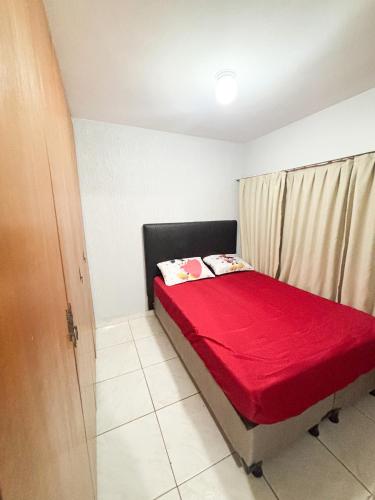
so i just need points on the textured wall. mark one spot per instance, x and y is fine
(343, 129)
(130, 176)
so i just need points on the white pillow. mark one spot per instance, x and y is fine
(181, 270)
(227, 263)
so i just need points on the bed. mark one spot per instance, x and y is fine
(270, 360)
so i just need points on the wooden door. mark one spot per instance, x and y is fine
(42, 432)
(62, 159)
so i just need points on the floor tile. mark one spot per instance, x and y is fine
(169, 382)
(307, 470)
(367, 406)
(132, 462)
(122, 319)
(171, 495)
(226, 481)
(352, 441)
(145, 327)
(192, 438)
(140, 315)
(113, 335)
(155, 349)
(116, 360)
(121, 399)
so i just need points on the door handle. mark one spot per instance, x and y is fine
(74, 336)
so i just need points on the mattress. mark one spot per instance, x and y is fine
(274, 350)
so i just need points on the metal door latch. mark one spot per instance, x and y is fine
(72, 328)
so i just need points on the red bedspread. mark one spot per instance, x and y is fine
(275, 350)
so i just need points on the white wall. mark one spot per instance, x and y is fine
(343, 129)
(130, 176)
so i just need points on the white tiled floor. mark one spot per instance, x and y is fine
(113, 335)
(133, 462)
(116, 360)
(122, 399)
(154, 349)
(192, 439)
(156, 438)
(145, 327)
(168, 382)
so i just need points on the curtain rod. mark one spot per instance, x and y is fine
(310, 165)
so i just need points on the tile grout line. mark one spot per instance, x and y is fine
(133, 339)
(166, 493)
(145, 414)
(364, 414)
(204, 470)
(198, 392)
(159, 362)
(156, 416)
(142, 368)
(120, 375)
(125, 423)
(162, 333)
(268, 482)
(178, 401)
(148, 413)
(342, 463)
(170, 404)
(136, 369)
(162, 436)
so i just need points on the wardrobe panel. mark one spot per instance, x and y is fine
(42, 433)
(61, 154)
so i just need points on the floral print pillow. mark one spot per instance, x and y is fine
(227, 263)
(181, 270)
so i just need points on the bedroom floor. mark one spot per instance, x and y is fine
(156, 438)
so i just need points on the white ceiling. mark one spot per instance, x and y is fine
(151, 63)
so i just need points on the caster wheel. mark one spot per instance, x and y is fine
(254, 469)
(314, 431)
(334, 417)
(257, 471)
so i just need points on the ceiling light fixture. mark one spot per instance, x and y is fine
(226, 87)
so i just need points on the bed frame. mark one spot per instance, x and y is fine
(251, 442)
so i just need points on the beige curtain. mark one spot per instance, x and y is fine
(261, 200)
(314, 227)
(358, 269)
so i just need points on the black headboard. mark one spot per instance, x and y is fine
(184, 239)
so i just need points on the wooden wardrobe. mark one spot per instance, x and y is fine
(47, 354)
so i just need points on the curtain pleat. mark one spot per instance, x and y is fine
(314, 228)
(358, 269)
(261, 200)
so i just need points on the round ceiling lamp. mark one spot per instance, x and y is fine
(226, 87)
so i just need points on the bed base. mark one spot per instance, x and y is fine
(254, 444)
